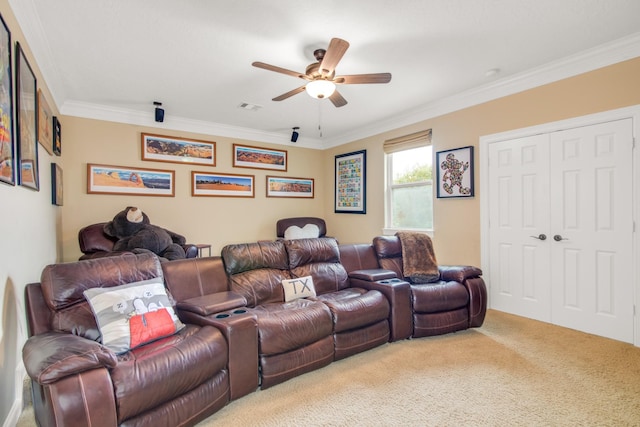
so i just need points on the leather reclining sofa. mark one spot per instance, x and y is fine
(240, 333)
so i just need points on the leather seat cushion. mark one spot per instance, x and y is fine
(283, 327)
(439, 296)
(160, 371)
(355, 307)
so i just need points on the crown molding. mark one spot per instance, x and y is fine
(598, 57)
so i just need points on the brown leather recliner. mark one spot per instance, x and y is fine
(94, 243)
(294, 337)
(177, 380)
(457, 301)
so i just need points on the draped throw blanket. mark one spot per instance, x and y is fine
(418, 258)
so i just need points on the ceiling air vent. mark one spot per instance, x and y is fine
(250, 107)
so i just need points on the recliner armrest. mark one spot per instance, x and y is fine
(458, 273)
(212, 303)
(51, 356)
(372, 275)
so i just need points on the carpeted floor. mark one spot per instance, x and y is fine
(511, 372)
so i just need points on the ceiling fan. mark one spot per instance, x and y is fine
(321, 75)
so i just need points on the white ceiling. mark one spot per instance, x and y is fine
(110, 59)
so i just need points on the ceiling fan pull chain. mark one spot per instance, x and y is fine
(320, 118)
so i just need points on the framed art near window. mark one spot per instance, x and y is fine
(7, 156)
(455, 172)
(278, 186)
(26, 102)
(350, 182)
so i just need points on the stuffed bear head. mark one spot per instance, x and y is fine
(126, 223)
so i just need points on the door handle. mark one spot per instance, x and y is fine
(540, 237)
(558, 238)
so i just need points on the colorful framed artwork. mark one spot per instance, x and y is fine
(56, 184)
(351, 182)
(45, 123)
(173, 149)
(57, 137)
(106, 179)
(7, 146)
(455, 172)
(278, 186)
(245, 156)
(222, 184)
(27, 129)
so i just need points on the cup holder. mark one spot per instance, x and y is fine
(387, 281)
(222, 316)
(239, 311)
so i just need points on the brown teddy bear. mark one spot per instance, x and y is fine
(135, 233)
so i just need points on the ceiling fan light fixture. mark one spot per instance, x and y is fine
(320, 88)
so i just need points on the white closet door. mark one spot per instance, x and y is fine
(519, 226)
(592, 222)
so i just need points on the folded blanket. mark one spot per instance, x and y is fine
(418, 259)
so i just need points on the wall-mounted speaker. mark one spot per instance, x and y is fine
(159, 114)
(295, 134)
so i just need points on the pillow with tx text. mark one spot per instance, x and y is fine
(133, 314)
(301, 287)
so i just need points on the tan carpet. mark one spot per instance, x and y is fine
(511, 372)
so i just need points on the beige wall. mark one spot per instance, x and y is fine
(220, 221)
(457, 221)
(214, 220)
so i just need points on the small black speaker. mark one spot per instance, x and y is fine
(159, 114)
(294, 136)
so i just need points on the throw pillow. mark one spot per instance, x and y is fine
(300, 287)
(307, 232)
(133, 314)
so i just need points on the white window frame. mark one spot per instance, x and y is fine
(389, 186)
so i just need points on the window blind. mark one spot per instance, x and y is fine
(414, 140)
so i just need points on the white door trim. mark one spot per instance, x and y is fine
(632, 112)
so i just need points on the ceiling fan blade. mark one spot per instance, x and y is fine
(279, 70)
(337, 99)
(363, 79)
(289, 94)
(333, 55)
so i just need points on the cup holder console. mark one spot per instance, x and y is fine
(391, 281)
(230, 313)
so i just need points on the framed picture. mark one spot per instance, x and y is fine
(245, 156)
(26, 102)
(173, 149)
(57, 137)
(45, 123)
(278, 186)
(455, 172)
(105, 179)
(222, 184)
(7, 153)
(351, 182)
(56, 184)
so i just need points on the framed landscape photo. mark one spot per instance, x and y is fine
(56, 184)
(7, 143)
(45, 123)
(278, 186)
(222, 184)
(174, 149)
(106, 179)
(245, 156)
(455, 172)
(26, 102)
(351, 182)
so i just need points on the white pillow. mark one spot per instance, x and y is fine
(301, 287)
(133, 314)
(307, 232)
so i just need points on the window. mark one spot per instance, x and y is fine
(409, 182)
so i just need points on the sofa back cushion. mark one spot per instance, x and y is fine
(320, 259)
(195, 277)
(63, 286)
(389, 252)
(256, 270)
